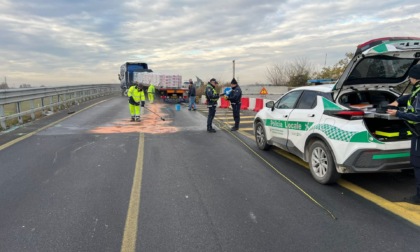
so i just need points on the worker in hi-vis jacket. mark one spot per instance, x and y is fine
(151, 93)
(136, 98)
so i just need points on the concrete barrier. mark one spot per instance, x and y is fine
(251, 103)
(245, 103)
(224, 103)
(203, 99)
(259, 104)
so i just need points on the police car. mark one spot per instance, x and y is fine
(343, 127)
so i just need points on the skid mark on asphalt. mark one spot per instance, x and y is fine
(150, 123)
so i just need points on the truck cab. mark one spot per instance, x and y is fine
(126, 74)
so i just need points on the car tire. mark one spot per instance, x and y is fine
(321, 163)
(261, 137)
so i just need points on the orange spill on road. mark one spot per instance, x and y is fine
(150, 123)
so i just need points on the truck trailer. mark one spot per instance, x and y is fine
(169, 87)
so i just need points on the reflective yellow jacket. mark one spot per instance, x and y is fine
(151, 89)
(136, 94)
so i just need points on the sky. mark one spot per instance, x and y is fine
(73, 42)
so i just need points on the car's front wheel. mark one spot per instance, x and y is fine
(321, 163)
(260, 137)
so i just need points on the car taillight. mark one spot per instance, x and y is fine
(346, 114)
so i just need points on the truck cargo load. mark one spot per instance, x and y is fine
(169, 87)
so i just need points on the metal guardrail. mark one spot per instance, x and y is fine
(18, 103)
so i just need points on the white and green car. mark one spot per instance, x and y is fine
(343, 127)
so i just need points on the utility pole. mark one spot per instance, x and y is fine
(325, 62)
(233, 68)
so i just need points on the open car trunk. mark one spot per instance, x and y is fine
(388, 130)
(382, 126)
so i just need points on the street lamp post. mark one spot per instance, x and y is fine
(233, 68)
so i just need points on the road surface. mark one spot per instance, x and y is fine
(94, 181)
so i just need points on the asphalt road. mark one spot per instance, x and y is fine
(93, 181)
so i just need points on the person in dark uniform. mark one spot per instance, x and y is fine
(191, 96)
(235, 97)
(212, 96)
(412, 117)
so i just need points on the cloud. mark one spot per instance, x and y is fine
(79, 42)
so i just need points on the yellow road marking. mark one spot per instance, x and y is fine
(131, 222)
(231, 121)
(8, 144)
(400, 209)
(231, 117)
(406, 211)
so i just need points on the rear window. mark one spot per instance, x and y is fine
(380, 69)
(308, 99)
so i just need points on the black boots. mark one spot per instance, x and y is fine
(211, 130)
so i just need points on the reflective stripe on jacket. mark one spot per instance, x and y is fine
(413, 103)
(211, 95)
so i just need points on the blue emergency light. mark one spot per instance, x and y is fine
(321, 81)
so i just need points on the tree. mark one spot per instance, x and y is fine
(335, 71)
(276, 75)
(299, 72)
(295, 73)
(4, 85)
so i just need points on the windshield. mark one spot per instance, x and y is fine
(136, 68)
(379, 69)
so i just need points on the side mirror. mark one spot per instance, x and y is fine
(270, 105)
(119, 76)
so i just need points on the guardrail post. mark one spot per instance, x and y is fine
(2, 118)
(51, 104)
(79, 97)
(32, 103)
(43, 105)
(59, 102)
(20, 119)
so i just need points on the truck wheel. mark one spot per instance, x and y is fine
(260, 137)
(321, 163)
(124, 92)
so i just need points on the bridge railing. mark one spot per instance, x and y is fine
(18, 105)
